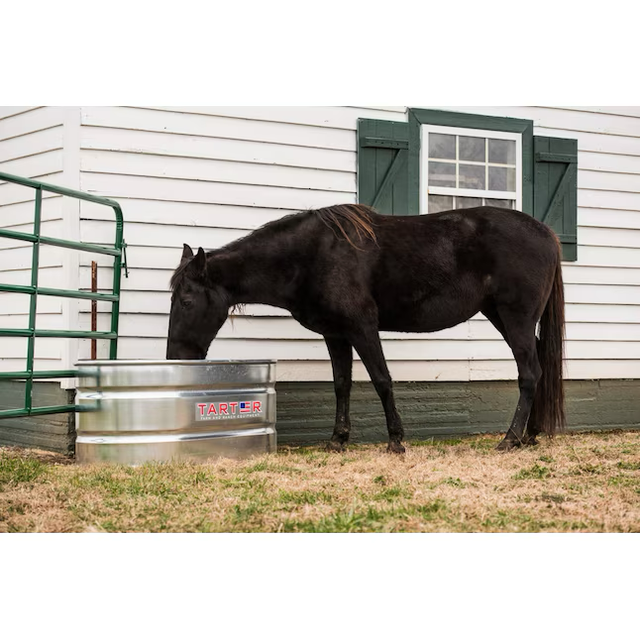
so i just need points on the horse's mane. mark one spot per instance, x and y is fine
(359, 216)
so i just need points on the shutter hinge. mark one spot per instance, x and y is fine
(543, 156)
(370, 141)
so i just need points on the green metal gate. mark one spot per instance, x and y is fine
(118, 253)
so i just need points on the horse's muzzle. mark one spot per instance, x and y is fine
(183, 351)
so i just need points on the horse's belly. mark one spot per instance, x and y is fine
(427, 318)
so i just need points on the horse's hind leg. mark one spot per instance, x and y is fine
(341, 354)
(533, 428)
(521, 336)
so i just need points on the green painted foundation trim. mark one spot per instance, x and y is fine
(439, 409)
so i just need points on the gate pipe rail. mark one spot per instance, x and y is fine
(117, 251)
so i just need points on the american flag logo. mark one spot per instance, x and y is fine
(245, 407)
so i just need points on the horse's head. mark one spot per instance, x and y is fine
(198, 308)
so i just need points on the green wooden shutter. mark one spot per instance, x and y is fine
(555, 198)
(383, 149)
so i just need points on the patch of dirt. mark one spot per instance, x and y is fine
(45, 457)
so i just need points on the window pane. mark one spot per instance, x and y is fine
(440, 203)
(502, 151)
(442, 174)
(467, 203)
(471, 177)
(442, 146)
(502, 179)
(472, 149)
(505, 204)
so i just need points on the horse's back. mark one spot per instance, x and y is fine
(474, 238)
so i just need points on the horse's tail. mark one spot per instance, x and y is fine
(548, 415)
(360, 217)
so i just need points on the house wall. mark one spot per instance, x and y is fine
(209, 175)
(32, 146)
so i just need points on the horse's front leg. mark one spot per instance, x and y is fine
(367, 343)
(341, 354)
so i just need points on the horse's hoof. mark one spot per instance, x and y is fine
(335, 447)
(531, 442)
(395, 447)
(507, 445)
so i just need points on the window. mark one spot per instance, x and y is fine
(463, 168)
(442, 160)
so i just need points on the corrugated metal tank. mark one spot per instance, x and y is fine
(181, 409)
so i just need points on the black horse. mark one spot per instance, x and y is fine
(347, 273)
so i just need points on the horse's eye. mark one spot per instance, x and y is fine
(186, 303)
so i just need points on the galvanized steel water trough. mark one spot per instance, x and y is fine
(175, 409)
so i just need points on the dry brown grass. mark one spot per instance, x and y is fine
(579, 482)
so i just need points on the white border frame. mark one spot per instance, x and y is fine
(425, 129)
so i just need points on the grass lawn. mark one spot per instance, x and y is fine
(577, 482)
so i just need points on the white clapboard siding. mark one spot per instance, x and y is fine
(34, 166)
(18, 303)
(145, 235)
(45, 348)
(44, 321)
(602, 313)
(616, 111)
(31, 146)
(9, 112)
(20, 213)
(334, 118)
(601, 199)
(25, 123)
(18, 257)
(616, 165)
(606, 237)
(181, 168)
(609, 256)
(218, 127)
(142, 257)
(609, 181)
(585, 274)
(11, 193)
(47, 277)
(249, 195)
(602, 294)
(209, 175)
(609, 218)
(202, 147)
(188, 214)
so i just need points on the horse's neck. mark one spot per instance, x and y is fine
(253, 274)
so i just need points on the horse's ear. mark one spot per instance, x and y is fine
(187, 252)
(199, 263)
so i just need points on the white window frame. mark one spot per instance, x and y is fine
(426, 189)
